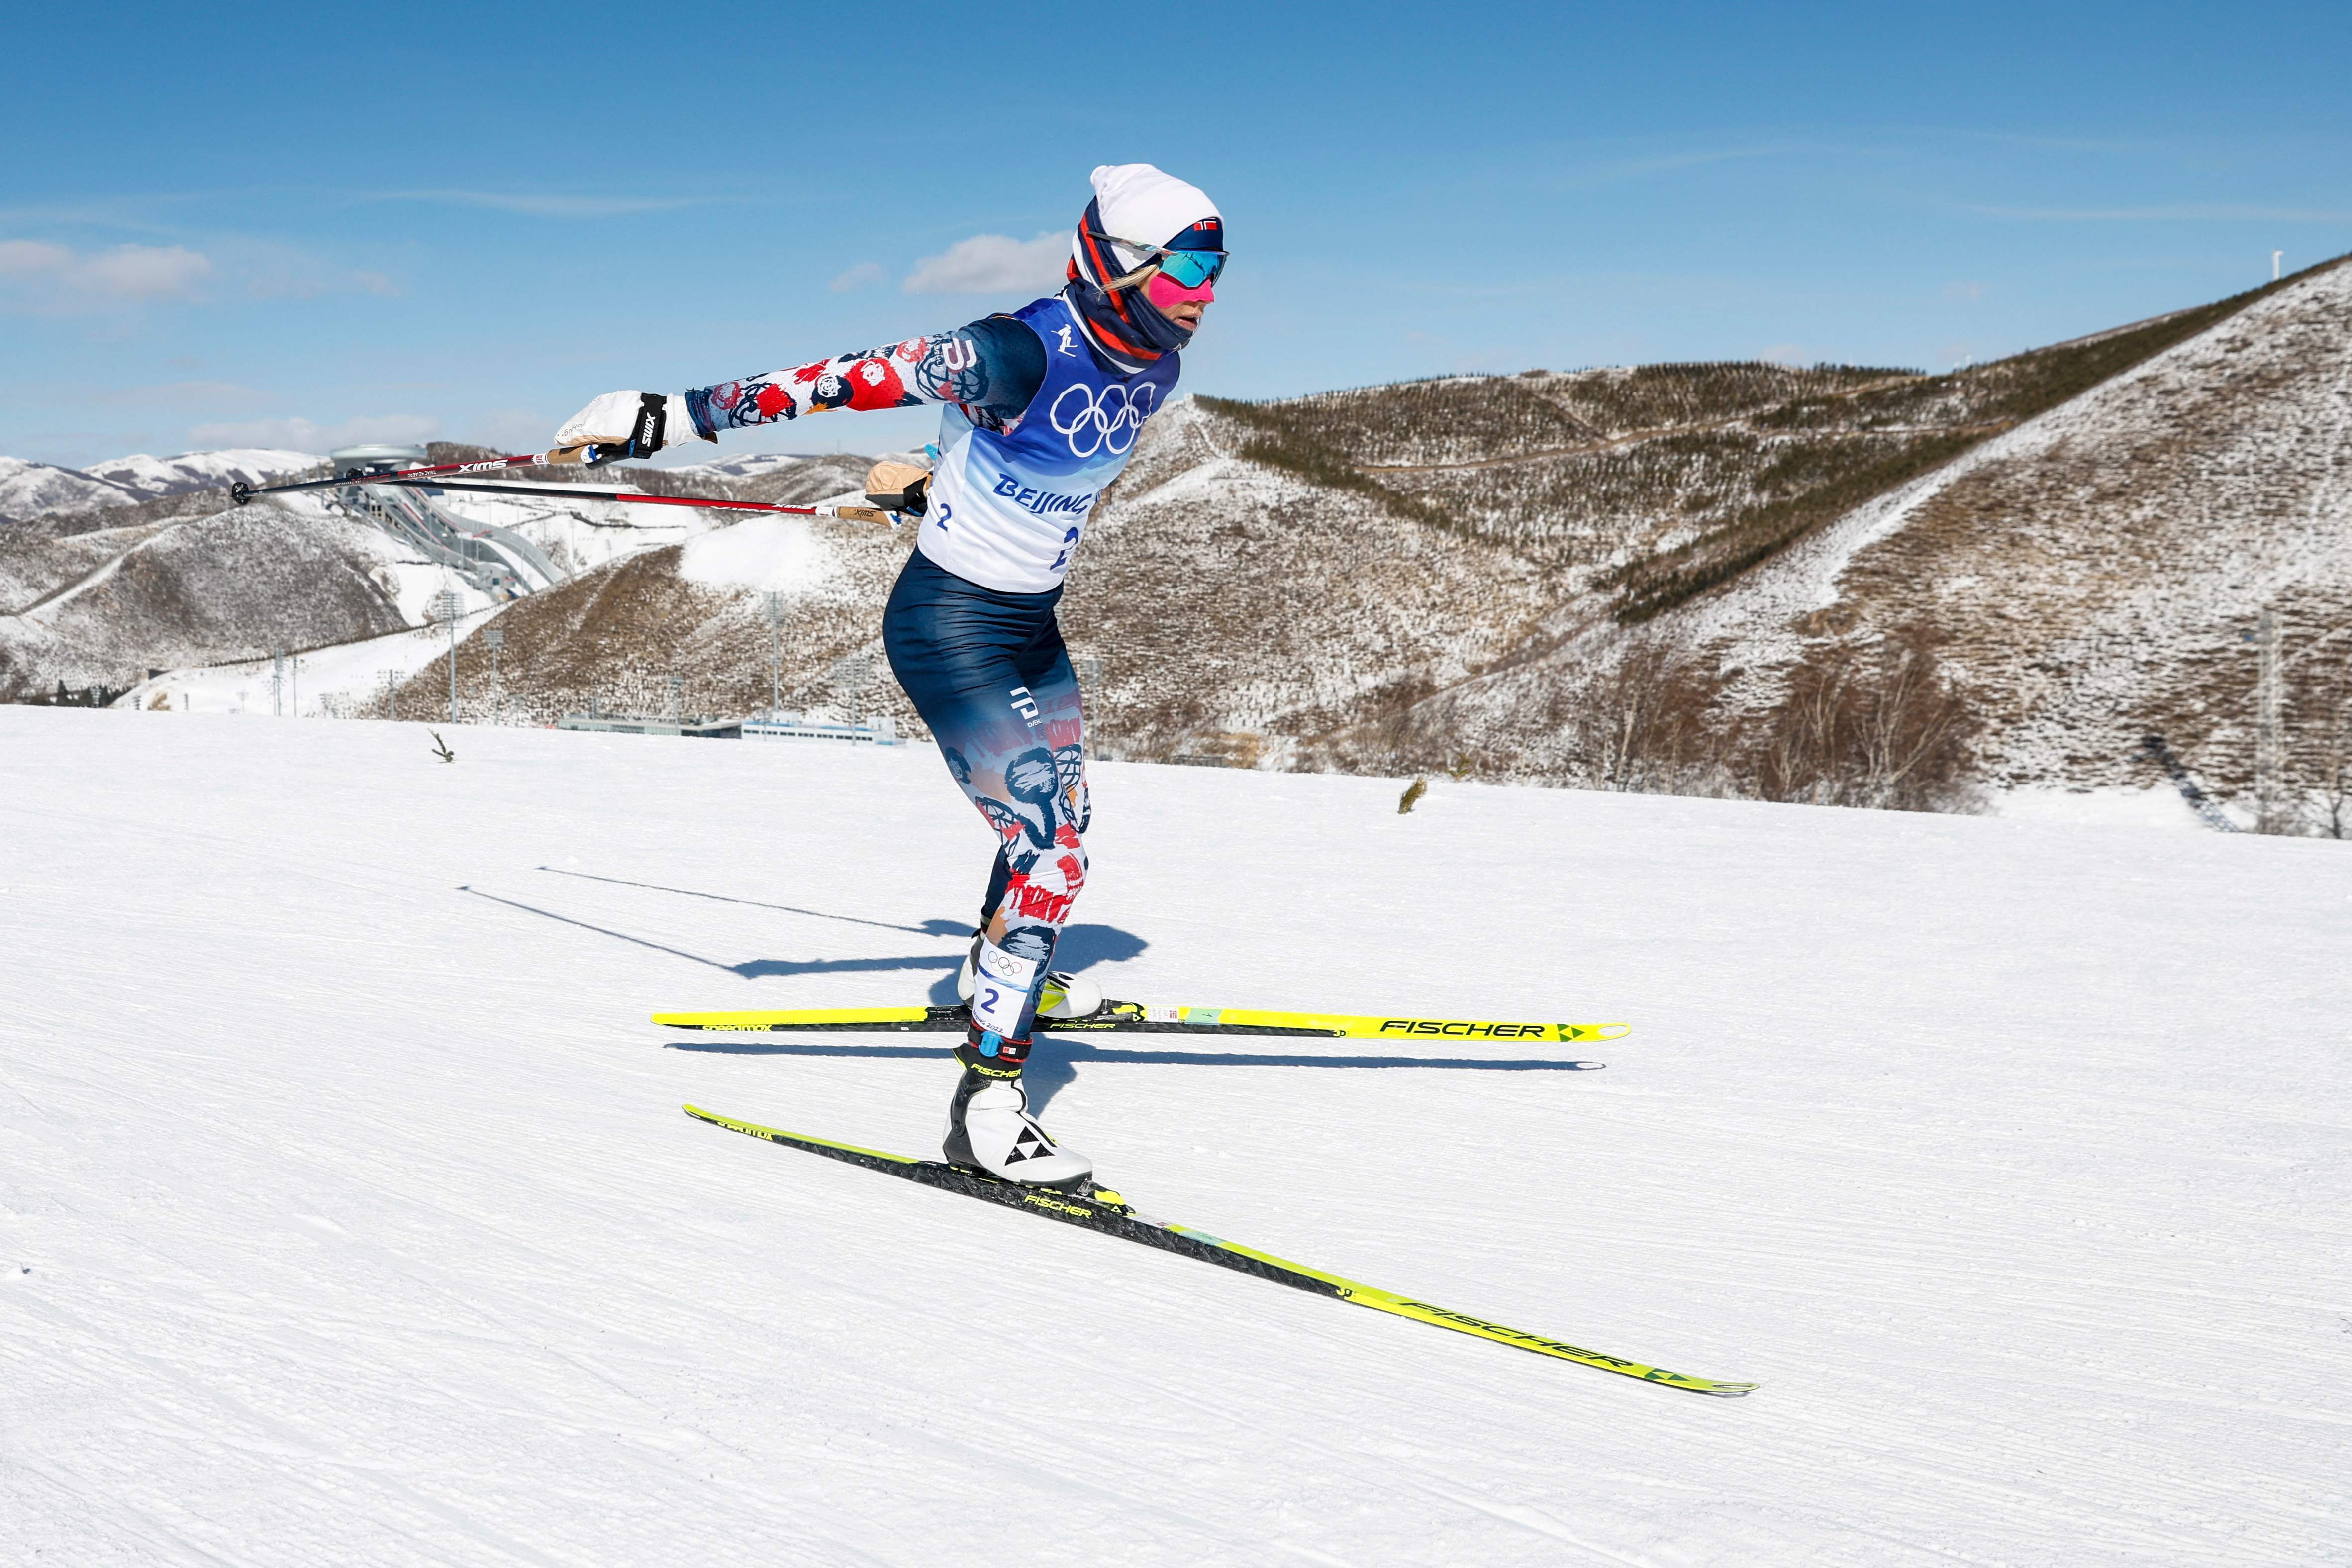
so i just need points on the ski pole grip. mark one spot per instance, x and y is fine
(240, 494)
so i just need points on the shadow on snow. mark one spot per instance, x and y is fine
(1081, 947)
(929, 928)
(1052, 1062)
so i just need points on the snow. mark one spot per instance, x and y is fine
(202, 471)
(49, 604)
(324, 682)
(347, 1214)
(2158, 806)
(765, 464)
(760, 464)
(580, 535)
(2238, 503)
(765, 553)
(760, 552)
(751, 466)
(28, 489)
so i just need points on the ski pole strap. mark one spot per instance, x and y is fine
(644, 437)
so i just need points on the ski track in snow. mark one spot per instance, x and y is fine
(362, 1226)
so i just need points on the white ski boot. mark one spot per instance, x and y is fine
(989, 1124)
(990, 1129)
(1064, 997)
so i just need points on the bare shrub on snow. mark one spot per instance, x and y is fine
(1880, 727)
(1644, 726)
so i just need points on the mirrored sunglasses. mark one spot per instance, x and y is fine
(1189, 268)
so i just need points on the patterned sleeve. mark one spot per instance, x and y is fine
(990, 369)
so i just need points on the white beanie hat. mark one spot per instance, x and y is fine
(1137, 202)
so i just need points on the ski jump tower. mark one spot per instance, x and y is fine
(492, 560)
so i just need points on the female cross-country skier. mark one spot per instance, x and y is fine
(1040, 409)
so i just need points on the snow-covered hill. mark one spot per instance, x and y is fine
(2086, 577)
(108, 604)
(774, 477)
(2094, 574)
(1233, 609)
(347, 1214)
(29, 489)
(752, 466)
(102, 595)
(1828, 584)
(1454, 576)
(153, 477)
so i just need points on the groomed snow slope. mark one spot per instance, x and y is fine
(348, 1217)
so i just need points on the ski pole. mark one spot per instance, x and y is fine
(241, 492)
(577, 492)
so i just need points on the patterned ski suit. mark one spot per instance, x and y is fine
(1035, 426)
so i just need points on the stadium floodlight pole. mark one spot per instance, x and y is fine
(449, 605)
(427, 478)
(774, 604)
(494, 639)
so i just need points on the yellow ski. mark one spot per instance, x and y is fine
(1100, 1209)
(1136, 1017)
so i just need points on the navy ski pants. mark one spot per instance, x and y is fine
(989, 674)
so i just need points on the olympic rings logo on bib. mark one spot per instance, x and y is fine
(1098, 424)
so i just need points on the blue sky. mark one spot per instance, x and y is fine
(306, 224)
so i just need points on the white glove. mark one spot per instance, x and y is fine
(628, 424)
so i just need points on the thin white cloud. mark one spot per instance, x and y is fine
(32, 257)
(115, 214)
(2180, 213)
(992, 264)
(60, 276)
(859, 276)
(2054, 144)
(49, 278)
(146, 272)
(1613, 172)
(515, 429)
(299, 434)
(548, 204)
(272, 271)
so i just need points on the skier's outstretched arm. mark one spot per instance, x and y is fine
(990, 369)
